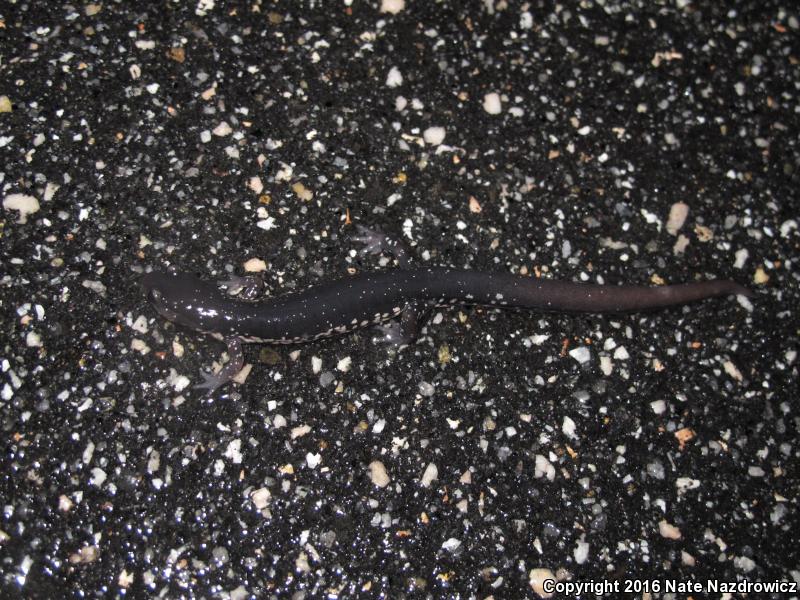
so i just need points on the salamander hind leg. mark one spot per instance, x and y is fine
(406, 330)
(376, 242)
(235, 362)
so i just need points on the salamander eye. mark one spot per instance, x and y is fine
(154, 296)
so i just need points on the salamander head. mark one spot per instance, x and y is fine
(183, 299)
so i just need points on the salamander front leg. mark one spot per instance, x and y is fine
(376, 242)
(249, 287)
(406, 330)
(235, 362)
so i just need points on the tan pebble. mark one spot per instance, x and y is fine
(255, 265)
(677, 217)
(302, 192)
(669, 531)
(378, 474)
(704, 234)
(537, 578)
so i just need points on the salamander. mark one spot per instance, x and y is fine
(403, 295)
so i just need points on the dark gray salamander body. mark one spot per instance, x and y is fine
(372, 298)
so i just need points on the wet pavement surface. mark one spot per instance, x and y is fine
(610, 142)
